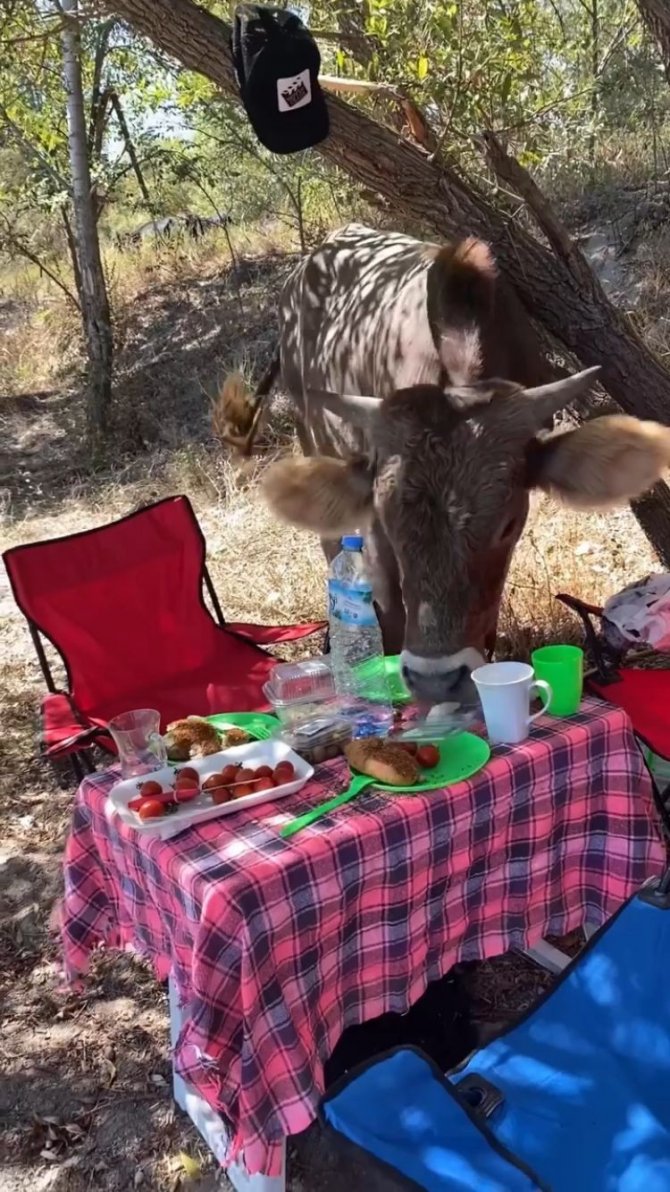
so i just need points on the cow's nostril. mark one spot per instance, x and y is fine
(454, 678)
(406, 674)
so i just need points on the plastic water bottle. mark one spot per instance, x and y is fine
(356, 647)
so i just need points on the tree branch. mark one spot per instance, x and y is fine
(20, 246)
(513, 175)
(32, 150)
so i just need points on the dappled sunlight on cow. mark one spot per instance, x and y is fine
(433, 459)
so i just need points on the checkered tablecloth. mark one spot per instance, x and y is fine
(277, 946)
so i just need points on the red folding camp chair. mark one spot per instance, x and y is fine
(643, 694)
(124, 606)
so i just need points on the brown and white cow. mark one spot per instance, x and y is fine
(390, 349)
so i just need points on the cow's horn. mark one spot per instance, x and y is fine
(354, 408)
(550, 399)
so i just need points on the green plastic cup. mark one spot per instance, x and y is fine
(562, 667)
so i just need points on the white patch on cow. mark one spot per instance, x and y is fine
(442, 664)
(461, 356)
(427, 618)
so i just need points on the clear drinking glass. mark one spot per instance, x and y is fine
(139, 742)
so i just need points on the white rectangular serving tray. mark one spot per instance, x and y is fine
(256, 753)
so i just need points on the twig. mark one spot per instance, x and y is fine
(511, 173)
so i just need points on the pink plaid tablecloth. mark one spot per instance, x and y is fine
(276, 946)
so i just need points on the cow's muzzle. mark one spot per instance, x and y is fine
(442, 680)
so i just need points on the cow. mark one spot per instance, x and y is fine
(422, 404)
(168, 226)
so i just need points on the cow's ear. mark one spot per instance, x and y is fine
(603, 463)
(330, 496)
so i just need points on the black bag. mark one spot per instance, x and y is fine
(277, 64)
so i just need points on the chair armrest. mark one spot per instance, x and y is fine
(268, 635)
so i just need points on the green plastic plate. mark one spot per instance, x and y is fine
(259, 725)
(461, 756)
(398, 691)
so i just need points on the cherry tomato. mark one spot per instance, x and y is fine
(212, 782)
(150, 788)
(265, 783)
(428, 756)
(188, 772)
(229, 773)
(220, 794)
(283, 773)
(186, 784)
(241, 789)
(151, 809)
(244, 775)
(264, 772)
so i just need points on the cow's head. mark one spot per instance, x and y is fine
(448, 476)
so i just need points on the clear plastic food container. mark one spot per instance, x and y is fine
(318, 740)
(311, 679)
(299, 690)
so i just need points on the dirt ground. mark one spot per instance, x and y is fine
(85, 1080)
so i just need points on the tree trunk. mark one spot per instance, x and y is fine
(428, 191)
(656, 16)
(96, 316)
(350, 18)
(96, 118)
(74, 259)
(594, 20)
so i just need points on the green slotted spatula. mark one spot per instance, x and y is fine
(461, 756)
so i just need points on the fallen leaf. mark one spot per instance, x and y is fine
(192, 1167)
(158, 1080)
(110, 1070)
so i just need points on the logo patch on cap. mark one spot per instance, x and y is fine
(295, 92)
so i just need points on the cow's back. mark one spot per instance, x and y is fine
(354, 318)
(353, 315)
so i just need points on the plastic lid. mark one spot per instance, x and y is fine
(352, 542)
(325, 730)
(300, 682)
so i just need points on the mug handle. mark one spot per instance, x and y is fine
(158, 747)
(543, 690)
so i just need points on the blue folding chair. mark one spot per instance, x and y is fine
(574, 1098)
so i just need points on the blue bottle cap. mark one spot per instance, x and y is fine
(352, 542)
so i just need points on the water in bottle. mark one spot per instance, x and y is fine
(357, 651)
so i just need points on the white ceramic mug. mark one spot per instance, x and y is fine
(505, 690)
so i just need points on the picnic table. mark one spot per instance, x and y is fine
(275, 946)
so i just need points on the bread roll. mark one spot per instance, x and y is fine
(383, 760)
